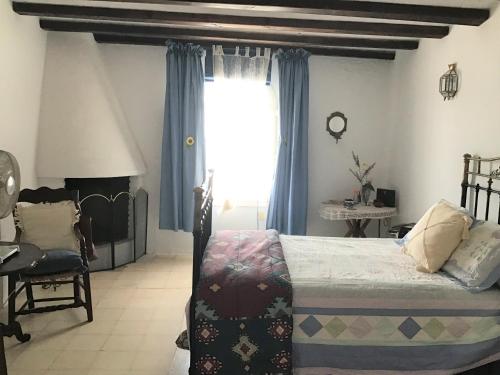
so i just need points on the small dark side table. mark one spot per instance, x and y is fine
(28, 257)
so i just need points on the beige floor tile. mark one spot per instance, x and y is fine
(151, 361)
(89, 342)
(35, 360)
(163, 327)
(61, 327)
(114, 360)
(180, 363)
(138, 313)
(132, 327)
(65, 372)
(155, 343)
(74, 360)
(108, 314)
(123, 343)
(48, 341)
(27, 372)
(13, 353)
(96, 327)
(109, 372)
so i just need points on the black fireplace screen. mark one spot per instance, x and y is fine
(100, 209)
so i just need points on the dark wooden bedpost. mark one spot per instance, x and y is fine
(197, 239)
(202, 230)
(465, 180)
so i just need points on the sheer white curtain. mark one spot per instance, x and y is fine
(241, 128)
(241, 66)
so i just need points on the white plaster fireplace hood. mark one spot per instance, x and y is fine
(83, 132)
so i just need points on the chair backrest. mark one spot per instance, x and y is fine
(48, 195)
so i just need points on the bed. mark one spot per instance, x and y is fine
(363, 309)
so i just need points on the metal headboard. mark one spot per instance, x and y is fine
(477, 169)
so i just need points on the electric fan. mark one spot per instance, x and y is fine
(10, 180)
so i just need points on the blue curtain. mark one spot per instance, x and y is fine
(183, 149)
(288, 204)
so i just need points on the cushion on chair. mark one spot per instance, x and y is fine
(57, 261)
(436, 235)
(48, 225)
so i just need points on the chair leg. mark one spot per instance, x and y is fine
(88, 296)
(29, 295)
(76, 288)
(12, 298)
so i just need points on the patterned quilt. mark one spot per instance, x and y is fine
(364, 309)
(243, 317)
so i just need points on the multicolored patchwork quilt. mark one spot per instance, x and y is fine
(243, 316)
(364, 309)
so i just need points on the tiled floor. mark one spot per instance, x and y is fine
(138, 313)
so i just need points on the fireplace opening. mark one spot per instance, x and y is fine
(100, 209)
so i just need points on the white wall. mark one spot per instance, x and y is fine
(83, 131)
(22, 57)
(359, 89)
(356, 87)
(430, 135)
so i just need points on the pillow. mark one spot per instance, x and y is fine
(476, 261)
(403, 241)
(436, 235)
(48, 225)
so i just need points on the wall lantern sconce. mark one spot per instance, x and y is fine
(448, 83)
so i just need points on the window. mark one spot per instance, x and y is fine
(241, 141)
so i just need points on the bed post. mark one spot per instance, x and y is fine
(202, 230)
(465, 180)
(197, 239)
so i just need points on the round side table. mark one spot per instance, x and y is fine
(357, 218)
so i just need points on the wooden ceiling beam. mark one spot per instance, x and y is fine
(157, 41)
(288, 40)
(219, 21)
(346, 8)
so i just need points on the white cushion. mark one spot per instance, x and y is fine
(48, 225)
(476, 261)
(435, 236)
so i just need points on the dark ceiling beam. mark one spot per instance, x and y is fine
(347, 8)
(288, 40)
(155, 41)
(219, 21)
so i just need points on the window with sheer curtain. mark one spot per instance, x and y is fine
(241, 128)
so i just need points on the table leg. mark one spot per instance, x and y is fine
(351, 228)
(363, 227)
(3, 361)
(13, 328)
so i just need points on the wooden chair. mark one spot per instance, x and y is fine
(59, 265)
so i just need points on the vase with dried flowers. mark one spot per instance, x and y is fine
(362, 172)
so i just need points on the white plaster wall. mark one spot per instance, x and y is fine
(430, 135)
(83, 131)
(22, 57)
(359, 89)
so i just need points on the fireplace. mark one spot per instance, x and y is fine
(94, 195)
(119, 219)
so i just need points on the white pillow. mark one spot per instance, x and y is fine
(48, 225)
(476, 261)
(435, 236)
